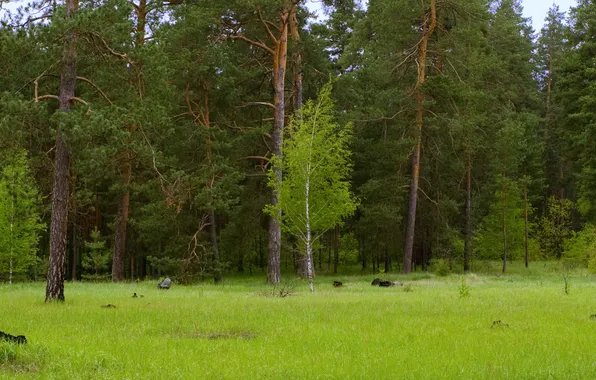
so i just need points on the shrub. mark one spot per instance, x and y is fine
(440, 267)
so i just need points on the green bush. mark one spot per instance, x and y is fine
(440, 267)
(592, 264)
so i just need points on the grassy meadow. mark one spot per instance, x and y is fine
(432, 328)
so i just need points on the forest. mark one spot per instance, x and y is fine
(148, 138)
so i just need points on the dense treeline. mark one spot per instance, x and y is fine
(154, 124)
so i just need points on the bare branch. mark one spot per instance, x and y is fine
(257, 104)
(385, 117)
(262, 158)
(266, 25)
(257, 43)
(96, 88)
(79, 100)
(113, 52)
(44, 97)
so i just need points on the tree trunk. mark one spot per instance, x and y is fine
(309, 261)
(362, 253)
(59, 223)
(335, 249)
(261, 255)
(124, 206)
(299, 262)
(320, 258)
(142, 267)
(468, 237)
(75, 253)
(214, 246)
(428, 30)
(121, 225)
(504, 229)
(12, 214)
(297, 60)
(526, 226)
(60, 189)
(387, 261)
(279, 74)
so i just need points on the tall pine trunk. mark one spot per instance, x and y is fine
(75, 253)
(121, 225)
(214, 247)
(504, 229)
(428, 30)
(60, 189)
(335, 249)
(468, 236)
(297, 60)
(526, 237)
(279, 74)
(124, 205)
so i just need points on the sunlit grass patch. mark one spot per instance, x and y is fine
(354, 331)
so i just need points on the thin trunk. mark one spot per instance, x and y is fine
(121, 226)
(12, 213)
(60, 189)
(429, 29)
(124, 206)
(142, 267)
(561, 178)
(297, 60)
(299, 262)
(387, 261)
(549, 85)
(335, 249)
(374, 263)
(468, 238)
(214, 246)
(320, 258)
(279, 74)
(504, 229)
(241, 261)
(526, 226)
(75, 254)
(362, 253)
(309, 267)
(261, 255)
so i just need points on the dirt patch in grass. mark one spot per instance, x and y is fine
(214, 335)
(17, 359)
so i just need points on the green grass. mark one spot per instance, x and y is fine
(239, 330)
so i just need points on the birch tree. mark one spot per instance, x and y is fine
(20, 225)
(315, 193)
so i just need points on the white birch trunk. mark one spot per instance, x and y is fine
(11, 231)
(309, 269)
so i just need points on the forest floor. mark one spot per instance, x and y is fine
(431, 328)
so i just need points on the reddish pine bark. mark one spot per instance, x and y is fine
(60, 189)
(428, 30)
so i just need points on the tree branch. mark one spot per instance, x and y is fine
(265, 24)
(260, 44)
(44, 97)
(257, 104)
(96, 88)
(79, 100)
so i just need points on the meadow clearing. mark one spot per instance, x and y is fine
(431, 328)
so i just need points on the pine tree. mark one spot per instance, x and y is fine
(97, 258)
